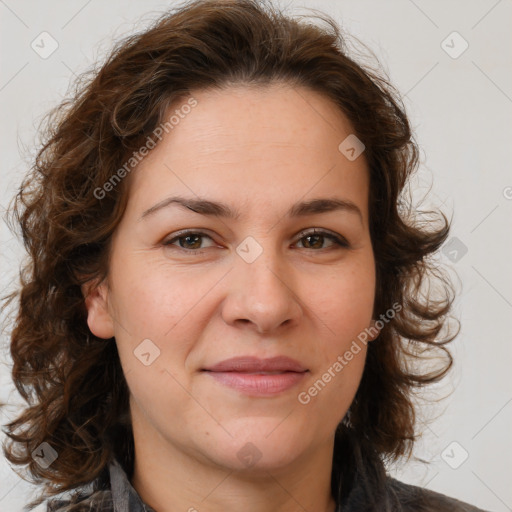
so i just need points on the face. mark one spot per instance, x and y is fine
(189, 289)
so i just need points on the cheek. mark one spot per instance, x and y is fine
(155, 372)
(158, 396)
(153, 300)
(330, 391)
(345, 303)
(152, 332)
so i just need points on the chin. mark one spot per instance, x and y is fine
(257, 445)
(256, 462)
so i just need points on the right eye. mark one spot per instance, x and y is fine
(189, 241)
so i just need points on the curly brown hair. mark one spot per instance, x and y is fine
(72, 381)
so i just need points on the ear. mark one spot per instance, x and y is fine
(99, 320)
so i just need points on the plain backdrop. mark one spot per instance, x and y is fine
(452, 62)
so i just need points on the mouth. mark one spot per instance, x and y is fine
(259, 383)
(255, 372)
(258, 377)
(244, 364)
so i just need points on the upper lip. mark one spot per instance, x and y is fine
(254, 364)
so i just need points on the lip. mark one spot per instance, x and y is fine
(245, 374)
(251, 364)
(257, 384)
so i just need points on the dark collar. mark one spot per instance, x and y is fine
(124, 497)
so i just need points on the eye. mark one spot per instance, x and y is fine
(188, 240)
(316, 238)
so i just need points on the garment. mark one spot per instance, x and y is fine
(359, 483)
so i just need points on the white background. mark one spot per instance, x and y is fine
(461, 111)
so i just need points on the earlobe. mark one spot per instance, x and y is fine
(99, 319)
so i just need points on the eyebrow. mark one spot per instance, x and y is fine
(216, 209)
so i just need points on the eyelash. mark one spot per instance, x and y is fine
(340, 241)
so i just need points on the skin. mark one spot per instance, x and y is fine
(259, 150)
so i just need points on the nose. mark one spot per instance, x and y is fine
(262, 295)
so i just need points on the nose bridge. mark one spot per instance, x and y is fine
(262, 291)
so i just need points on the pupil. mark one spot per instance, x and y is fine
(314, 236)
(189, 237)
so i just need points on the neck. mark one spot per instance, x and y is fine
(169, 478)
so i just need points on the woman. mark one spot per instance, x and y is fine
(224, 285)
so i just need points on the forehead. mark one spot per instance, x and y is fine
(251, 118)
(270, 143)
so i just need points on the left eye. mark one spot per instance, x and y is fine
(321, 236)
(191, 240)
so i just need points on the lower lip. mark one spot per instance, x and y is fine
(259, 384)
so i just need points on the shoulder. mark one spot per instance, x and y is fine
(96, 496)
(414, 498)
(99, 501)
